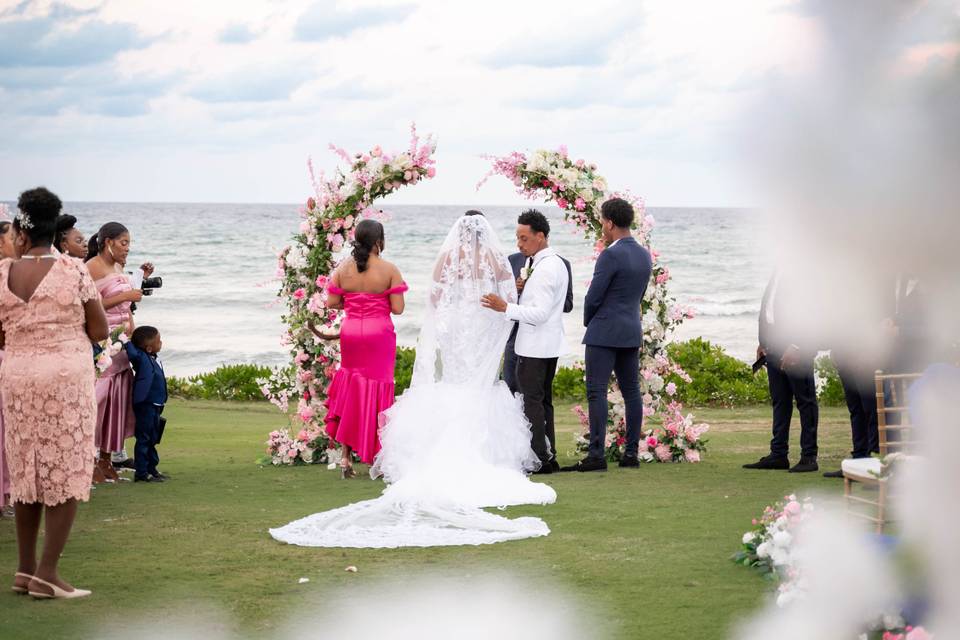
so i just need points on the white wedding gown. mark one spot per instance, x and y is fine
(457, 441)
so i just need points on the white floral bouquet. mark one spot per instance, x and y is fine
(308, 447)
(105, 350)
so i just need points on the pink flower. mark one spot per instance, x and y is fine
(671, 388)
(348, 221)
(580, 163)
(652, 442)
(663, 453)
(579, 204)
(408, 176)
(793, 508)
(647, 411)
(322, 282)
(311, 204)
(336, 240)
(663, 276)
(306, 414)
(918, 633)
(376, 151)
(691, 455)
(431, 172)
(562, 149)
(292, 453)
(563, 204)
(299, 294)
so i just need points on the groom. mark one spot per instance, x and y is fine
(540, 337)
(611, 314)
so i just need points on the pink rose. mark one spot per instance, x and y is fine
(311, 204)
(322, 282)
(918, 633)
(376, 151)
(652, 442)
(663, 453)
(431, 172)
(348, 221)
(579, 204)
(299, 294)
(793, 508)
(563, 204)
(691, 455)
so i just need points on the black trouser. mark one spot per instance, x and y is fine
(861, 396)
(510, 364)
(535, 382)
(145, 456)
(785, 387)
(600, 363)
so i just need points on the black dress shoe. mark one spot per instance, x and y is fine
(145, 479)
(631, 462)
(554, 465)
(833, 474)
(161, 476)
(769, 462)
(544, 469)
(124, 464)
(806, 465)
(587, 464)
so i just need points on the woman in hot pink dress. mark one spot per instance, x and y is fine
(115, 420)
(369, 289)
(49, 313)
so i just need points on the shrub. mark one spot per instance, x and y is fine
(226, 382)
(569, 384)
(403, 371)
(719, 379)
(829, 387)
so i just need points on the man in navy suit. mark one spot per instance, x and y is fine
(611, 314)
(517, 262)
(149, 397)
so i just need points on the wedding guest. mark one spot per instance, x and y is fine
(519, 262)
(540, 338)
(49, 313)
(149, 397)
(7, 250)
(611, 314)
(69, 240)
(108, 250)
(786, 346)
(369, 289)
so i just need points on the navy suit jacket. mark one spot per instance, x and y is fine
(517, 260)
(611, 310)
(150, 383)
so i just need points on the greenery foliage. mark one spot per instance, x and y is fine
(719, 379)
(227, 382)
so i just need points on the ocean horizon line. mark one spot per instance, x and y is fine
(521, 203)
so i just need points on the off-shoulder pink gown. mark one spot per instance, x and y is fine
(363, 386)
(115, 419)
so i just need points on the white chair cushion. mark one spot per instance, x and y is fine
(861, 467)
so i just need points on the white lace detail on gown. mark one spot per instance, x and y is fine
(457, 441)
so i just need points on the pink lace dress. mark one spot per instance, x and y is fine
(115, 419)
(363, 386)
(4, 473)
(46, 381)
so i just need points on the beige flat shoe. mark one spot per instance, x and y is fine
(19, 574)
(58, 593)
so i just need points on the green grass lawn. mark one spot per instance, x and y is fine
(647, 551)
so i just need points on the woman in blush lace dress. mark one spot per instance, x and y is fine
(109, 249)
(7, 250)
(49, 313)
(369, 289)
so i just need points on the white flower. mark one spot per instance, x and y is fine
(538, 162)
(763, 550)
(646, 456)
(779, 557)
(782, 539)
(655, 383)
(401, 163)
(748, 537)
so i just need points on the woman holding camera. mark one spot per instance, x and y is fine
(109, 249)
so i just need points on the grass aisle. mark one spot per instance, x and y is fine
(645, 548)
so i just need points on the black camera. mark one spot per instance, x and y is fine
(149, 284)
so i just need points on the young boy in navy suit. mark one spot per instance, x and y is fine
(149, 396)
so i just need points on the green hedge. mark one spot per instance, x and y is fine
(718, 379)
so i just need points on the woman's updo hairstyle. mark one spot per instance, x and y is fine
(98, 241)
(39, 209)
(65, 222)
(367, 236)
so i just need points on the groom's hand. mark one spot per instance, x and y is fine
(495, 302)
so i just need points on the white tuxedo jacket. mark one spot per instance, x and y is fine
(540, 310)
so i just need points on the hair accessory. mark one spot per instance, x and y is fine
(24, 220)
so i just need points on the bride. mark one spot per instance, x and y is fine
(457, 441)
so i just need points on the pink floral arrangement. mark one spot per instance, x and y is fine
(578, 189)
(328, 220)
(308, 447)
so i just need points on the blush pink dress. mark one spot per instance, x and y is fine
(115, 419)
(4, 473)
(46, 381)
(362, 388)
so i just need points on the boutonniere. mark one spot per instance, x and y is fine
(525, 273)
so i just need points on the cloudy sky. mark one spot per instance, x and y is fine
(138, 100)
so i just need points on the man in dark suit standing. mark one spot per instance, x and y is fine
(518, 262)
(614, 335)
(785, 344)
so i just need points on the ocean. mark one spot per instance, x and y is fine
(218, 301)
